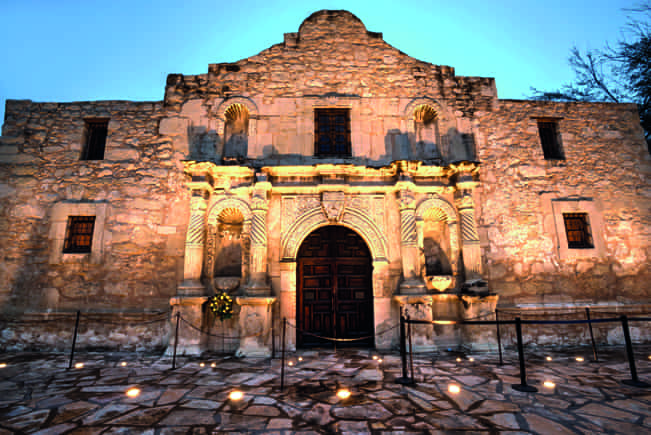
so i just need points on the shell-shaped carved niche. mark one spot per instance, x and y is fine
(426, 133)
(228, 249)
(236, 133)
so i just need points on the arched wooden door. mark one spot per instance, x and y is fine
(334, 289)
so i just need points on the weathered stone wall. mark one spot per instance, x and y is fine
(606, 173)
(138, 187)
(333, 61)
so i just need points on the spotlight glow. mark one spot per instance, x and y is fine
(458, 359)
(579, 358)
(3, 365)
(379, 360)
(549, 384)
(549, 358)
(454, 389)
(123, 363)
(291, 363)
(343, 393)
(202, 364)
(79, 365)
(300, 358)
(133, 392)
(213, 365)
(236, 395)
(471, 359)
(374, 356)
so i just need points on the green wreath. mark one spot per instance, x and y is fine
(221, 305)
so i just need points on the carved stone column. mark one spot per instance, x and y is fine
(469, 237)
(257, 285)
(194, 247)
(255, 326)
(412, 281)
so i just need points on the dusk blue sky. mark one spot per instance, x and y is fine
(72, 50)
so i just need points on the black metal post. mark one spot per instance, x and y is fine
(411, 351)
(594, 344)
(273, 339)
(282, 359)
(523, 374)
(74, 341)
(403, 353)
(176, 339)
(499, 341)
(634, 381)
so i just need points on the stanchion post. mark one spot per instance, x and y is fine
(273, 339)
(411, 351)
(634, 381)
(499, 341)
(594, 344)
(523, 374)
(403, 353)
(74, 341)
(282, 359)
(176, 339)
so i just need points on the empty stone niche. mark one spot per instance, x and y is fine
(236, 133)
(229, 251)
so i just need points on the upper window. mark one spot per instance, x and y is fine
(577, 229)
(549, 139)
(95, 139)
(332, 132)
(79, 234)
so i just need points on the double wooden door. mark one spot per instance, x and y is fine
(335, 297)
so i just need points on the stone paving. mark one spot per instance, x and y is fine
(39, 395)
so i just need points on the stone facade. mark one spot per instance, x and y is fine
(217, 187)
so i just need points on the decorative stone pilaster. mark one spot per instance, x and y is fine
(257, 285)
(194, 247)
(255, 326)
(418, 307)
(469, 237)
(412, 281)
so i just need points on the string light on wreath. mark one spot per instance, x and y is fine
(221, 305)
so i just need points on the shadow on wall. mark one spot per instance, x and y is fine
(453, 146)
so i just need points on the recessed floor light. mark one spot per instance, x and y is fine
(123, 363)
(79, 365)
(454, 389)
(549, 358)
(236, 395)
(133, 392)
(3, 365)
(579, 358)
(549, 384)
(343, 393)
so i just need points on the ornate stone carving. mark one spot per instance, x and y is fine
(333, 205)
(294, 206)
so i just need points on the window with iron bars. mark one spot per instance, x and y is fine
(79, 234)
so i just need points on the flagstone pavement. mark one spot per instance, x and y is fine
(38, 394)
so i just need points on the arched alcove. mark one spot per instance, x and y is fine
(228, 249)
(436, 249)
(236, 132)
(426, 133)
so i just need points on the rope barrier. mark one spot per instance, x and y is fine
(217, 335)
(341, 339)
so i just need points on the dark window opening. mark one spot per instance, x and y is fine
(577, 229)
(332, 132)
(549, 139)
(79, 234)
(96, 131)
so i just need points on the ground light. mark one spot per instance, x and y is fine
(343, 393)
(3, 365)
(202, 364)
(291, 363)
(549, 384)
(454, 389)
(579, 358)
(379, 360)
(300, 358)
(375, 357)
(123, 363)
(458, 359)
(79, 365)
(133, 392)
(236, 395)
(549, 358)
(471, 359)
(213, 365)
